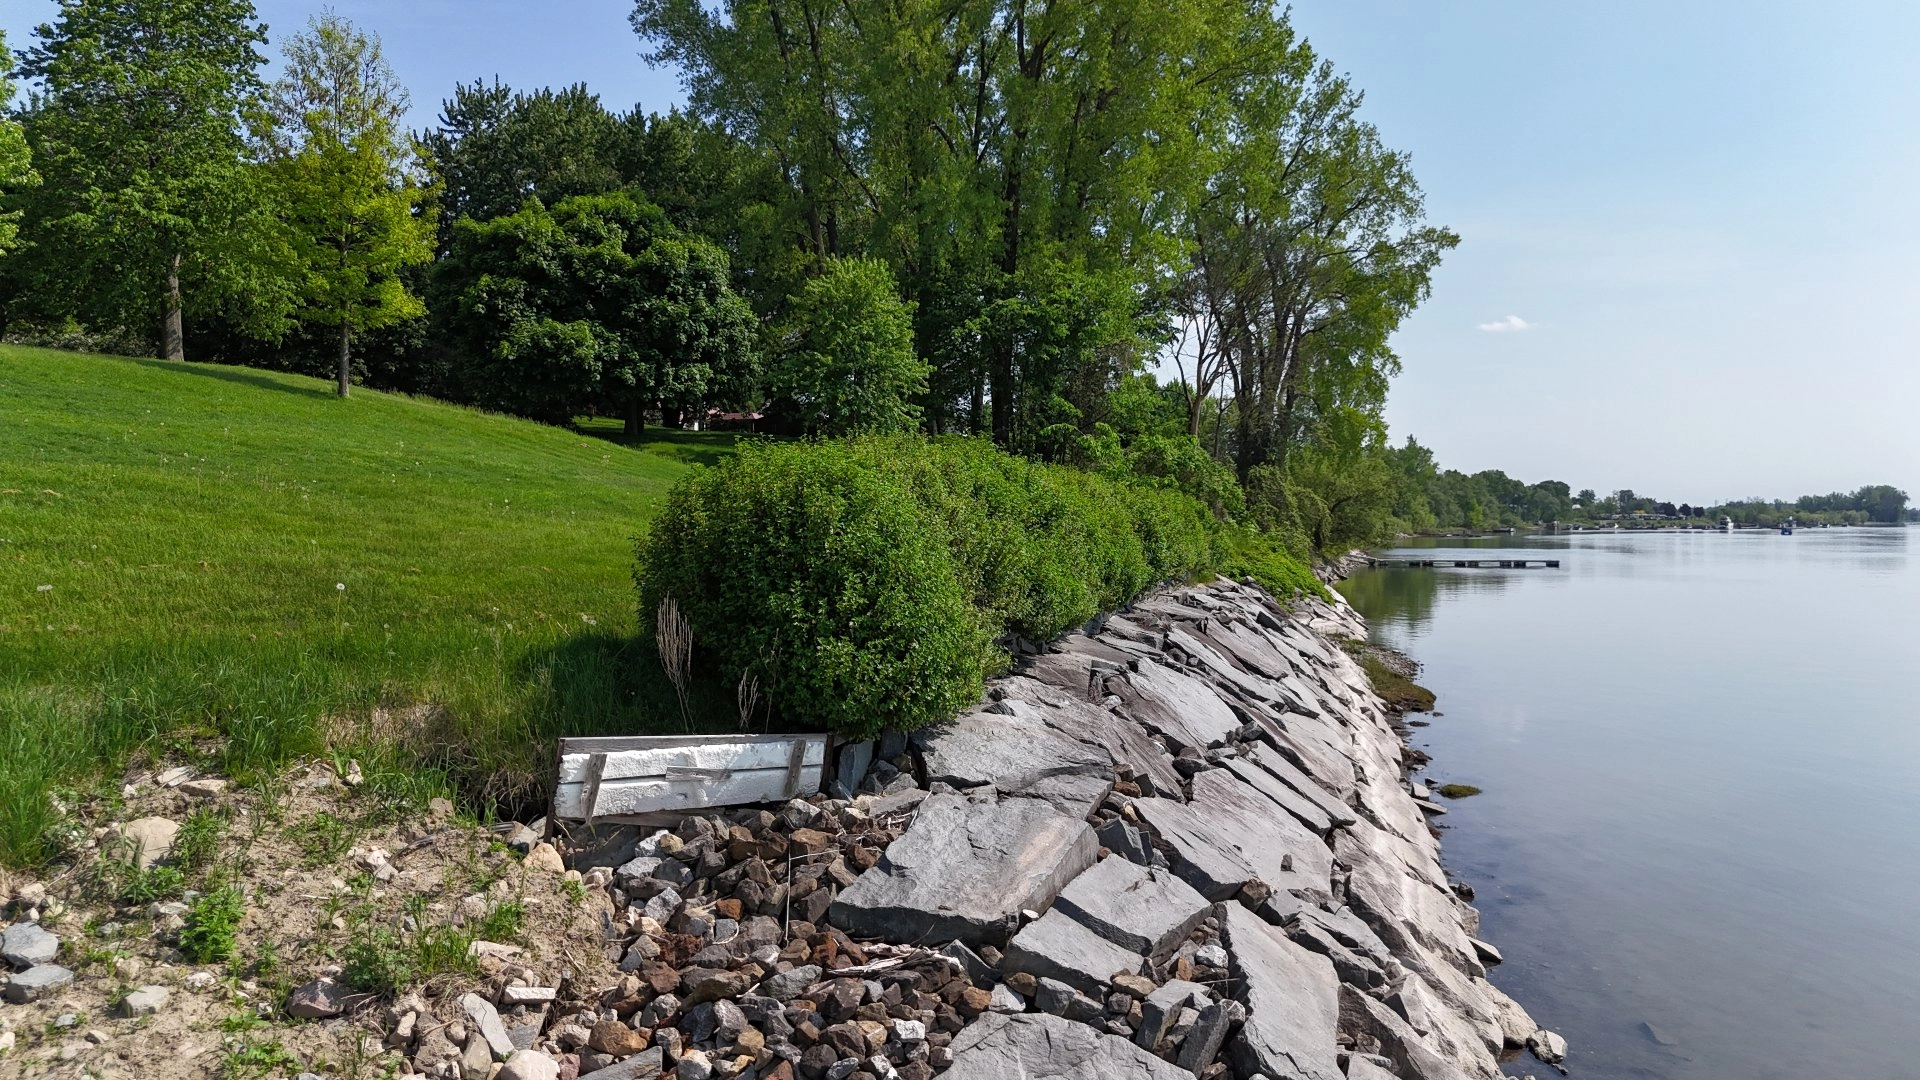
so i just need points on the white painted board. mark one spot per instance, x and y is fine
(639, 774)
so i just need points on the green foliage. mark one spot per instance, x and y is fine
(382, 959)
(198, 843)
(598, 302)
(149, 206)
(1336, 503)
(340, 159)
(1458, 791)
(252, 1059)
(213, 924)
(866, 583)
(16, 161)
(846, 362)
(154, 883)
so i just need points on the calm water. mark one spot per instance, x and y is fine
(1701, 756)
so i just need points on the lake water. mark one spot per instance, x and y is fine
(1701, 762)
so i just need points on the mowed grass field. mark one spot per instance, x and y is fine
(239, 566)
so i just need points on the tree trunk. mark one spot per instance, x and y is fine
(346, 351)
(173, 339)
(636, 420)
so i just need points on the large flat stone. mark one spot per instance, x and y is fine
(964, 871)
(1410, 1054)
(1136, 907)
(36, 983)
(1036, 1046)
(1125, 740)
(1229, 835)
(1073, 796)
(1181, 707)
(1054, 946)
(1303, 809)
(1010, 749)
(1291, 776)
(25, 944)
(1292, 999)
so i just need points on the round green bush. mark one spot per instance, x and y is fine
(820, 575)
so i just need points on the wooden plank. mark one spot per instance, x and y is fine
(636, 795)
(655, 761)
(596, 771)
(796, 768)
(602, 778)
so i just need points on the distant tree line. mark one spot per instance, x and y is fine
(990, 218)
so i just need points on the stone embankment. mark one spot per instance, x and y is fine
(1182, 844)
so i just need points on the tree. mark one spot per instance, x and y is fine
(494, 147)
(846, 361)
(598, 303)
(341, 159)
(16, 161)
(149, 208)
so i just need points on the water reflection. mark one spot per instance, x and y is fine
(1698, 800)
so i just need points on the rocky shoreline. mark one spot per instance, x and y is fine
(1182, 843)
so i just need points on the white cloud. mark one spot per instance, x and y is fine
(1510, 324)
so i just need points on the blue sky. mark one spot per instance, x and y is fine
(1689, 231)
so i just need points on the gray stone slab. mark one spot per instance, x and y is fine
(486, 1019)
(1248, 646)
(1292, 999)
(1303, 809)
(1161, 1007)
(1181, 707)
(964, 871)
(1037, 1046)
(1009, 751)
(1054, 946)
(648, 1064)
(1074, 796)
(1230, 834)
(36, 983)
(1330, 768)
(1136, 907)
(1413, 1059)
(1123, 739)
(1290, 775)
(1125, 841)
(25, 944)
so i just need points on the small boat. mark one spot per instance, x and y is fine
(1786, 527)
(1726, 524)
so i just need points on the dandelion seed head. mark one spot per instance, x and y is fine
(43, 588)
(340, 585)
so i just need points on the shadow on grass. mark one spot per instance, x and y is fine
(242, 376)
(691, 447)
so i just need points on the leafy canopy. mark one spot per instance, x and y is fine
(846, 353)
(138, 136)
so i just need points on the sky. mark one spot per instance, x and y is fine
(1688, 230)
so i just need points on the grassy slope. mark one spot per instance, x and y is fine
(195, 524)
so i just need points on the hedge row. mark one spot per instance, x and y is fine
(871, 583)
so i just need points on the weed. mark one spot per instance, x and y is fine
(252, 1059)
(198, 843)
(153, 884)
(576, 890)
(376, 961)
(501, 922)
(213, 922)
(242, 1022)
(325, 839)
(1457, 791)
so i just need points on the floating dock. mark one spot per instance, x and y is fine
(1466, 564)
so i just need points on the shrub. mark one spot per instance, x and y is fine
(871, 583)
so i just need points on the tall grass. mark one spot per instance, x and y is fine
(236, 566)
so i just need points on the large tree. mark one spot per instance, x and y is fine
(846, 361)
(597, 304)
(343, 165)
(16, 161)
(150, 207)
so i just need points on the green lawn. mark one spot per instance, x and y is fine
(236, 563)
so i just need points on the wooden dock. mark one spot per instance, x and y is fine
(1466, 564)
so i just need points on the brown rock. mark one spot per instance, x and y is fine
(616, 1039)
(1183, 969)
(661, 979)
(1137, 985)
(728, 909)
(781, 1071)
(973, 1001)
(862, 857)
(1023, 983)
(809, 841)
(705, 984)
